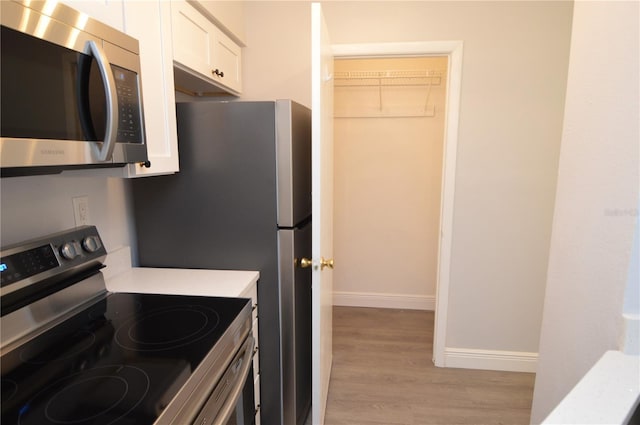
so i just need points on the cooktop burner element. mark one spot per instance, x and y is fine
(141, 334)
(114, 391)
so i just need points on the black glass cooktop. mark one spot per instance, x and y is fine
(121, 361)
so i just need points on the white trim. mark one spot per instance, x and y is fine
(511, 361)
(630, 343)
(414, 48)
(378, 300)
(452, 49)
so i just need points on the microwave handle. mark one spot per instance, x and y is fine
(111, 132)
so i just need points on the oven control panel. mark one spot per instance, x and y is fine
(44, 258)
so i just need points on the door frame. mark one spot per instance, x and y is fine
(453, 50)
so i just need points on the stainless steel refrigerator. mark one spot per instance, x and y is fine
(242, 201)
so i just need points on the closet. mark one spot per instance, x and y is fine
(388, 152)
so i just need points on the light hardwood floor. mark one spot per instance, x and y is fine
(383, 375)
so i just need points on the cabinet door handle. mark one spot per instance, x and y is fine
(218, 73)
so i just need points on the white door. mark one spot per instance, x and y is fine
(322, 210)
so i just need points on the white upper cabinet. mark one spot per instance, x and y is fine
(227, 15)
(206, 59)
(109, 12)
(150, 23)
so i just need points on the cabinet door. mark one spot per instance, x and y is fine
(109, 12)
(227, 58)
(227, 15)
(150, 23)
(205, 57)
(193, 38)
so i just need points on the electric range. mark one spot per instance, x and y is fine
(73, 353)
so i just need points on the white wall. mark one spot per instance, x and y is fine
(596, 202)
(277, 59)
(513, 85)
(35, 206)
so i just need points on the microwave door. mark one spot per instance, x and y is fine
(54, 95)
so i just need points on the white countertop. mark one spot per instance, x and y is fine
(219, 283)
(607, 394)
(121, 277)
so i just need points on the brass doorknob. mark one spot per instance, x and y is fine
(305, 262)
(326, 263)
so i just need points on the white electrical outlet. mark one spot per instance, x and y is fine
(81, 210)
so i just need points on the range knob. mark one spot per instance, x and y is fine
(69, 250)
(91, 244)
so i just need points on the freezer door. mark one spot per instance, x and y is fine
(295, 310)
(293, 145)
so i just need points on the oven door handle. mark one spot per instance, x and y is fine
(229, 405)
(111, 132)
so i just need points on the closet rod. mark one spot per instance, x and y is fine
(389, 74)
(388, 84)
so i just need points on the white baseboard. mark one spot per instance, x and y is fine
(401, 301)
(511, 361)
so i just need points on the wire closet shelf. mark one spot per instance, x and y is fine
(388, 89)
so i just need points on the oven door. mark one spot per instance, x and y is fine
(232, 400)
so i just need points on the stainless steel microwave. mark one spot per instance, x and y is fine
(71, 95)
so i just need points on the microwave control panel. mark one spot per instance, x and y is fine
(129, 106)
